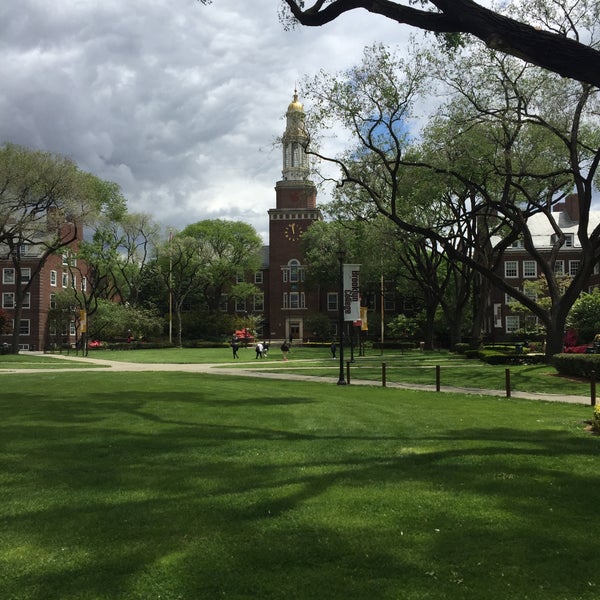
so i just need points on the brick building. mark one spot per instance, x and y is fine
(518, 267)
(40, 279)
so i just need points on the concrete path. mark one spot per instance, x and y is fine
(225, 369)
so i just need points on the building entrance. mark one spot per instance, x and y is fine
(295, 330)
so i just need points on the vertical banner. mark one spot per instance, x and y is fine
(351, 292)
(82, 321)
(364, 325)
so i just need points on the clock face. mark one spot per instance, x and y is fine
(292, 232)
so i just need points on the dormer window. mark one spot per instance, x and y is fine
(569, 239)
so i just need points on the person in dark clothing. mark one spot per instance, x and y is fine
(235, 347)
(333, 349)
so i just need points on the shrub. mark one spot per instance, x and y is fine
(461, 348)
(576, 365)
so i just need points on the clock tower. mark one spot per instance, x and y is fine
(295, 210)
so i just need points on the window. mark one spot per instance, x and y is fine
(52, 301)
(569, 238)
(8, 300)
(24, 326)
(258, 277)
(84, 284)
(8, 276)
(529, 268)
(512, 323)
(239, 278)
(517, 244)
(259, 301)
(25, 275)
(294, 271)
(332, 301)
(511, 268)
(294, 300)
(223, 304)
(559, 267)
(53, 278)
(573, 267)
(65, 259)
(240, 305)
(65, 280)
(389, 303)
(72, 328)
(27, 300)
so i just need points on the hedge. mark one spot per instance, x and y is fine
(577, 365)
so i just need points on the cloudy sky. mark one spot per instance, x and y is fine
(177, 102)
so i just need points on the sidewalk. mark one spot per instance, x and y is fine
(226, 369)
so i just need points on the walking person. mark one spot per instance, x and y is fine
(284, 350)
(333, 349)
(235, 347)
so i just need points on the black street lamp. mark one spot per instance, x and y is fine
(341, 254)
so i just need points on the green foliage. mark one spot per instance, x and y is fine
(318, 327)
(584, 317)
(402, 326)
(113, 320)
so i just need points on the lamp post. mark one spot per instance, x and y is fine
(340, 255)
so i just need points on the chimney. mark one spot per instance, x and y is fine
(572, 207)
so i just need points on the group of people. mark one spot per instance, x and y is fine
(261, 348)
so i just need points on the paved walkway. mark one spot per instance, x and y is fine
(225, 369)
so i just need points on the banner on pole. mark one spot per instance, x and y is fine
(364, 325)
(351, 292)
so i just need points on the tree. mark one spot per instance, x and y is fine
(585, 316)
(113, 320)
(45, 200)
(504, 150)
(202, 262)
(542, 43)
(539, 43)
(228, 249)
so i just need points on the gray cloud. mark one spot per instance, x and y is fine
(177, 102)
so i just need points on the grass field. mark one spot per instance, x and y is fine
(409, 367)
(186, 486)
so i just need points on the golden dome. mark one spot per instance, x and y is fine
(295, 105)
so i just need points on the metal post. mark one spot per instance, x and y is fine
(507, 382)
(348, 372)
(340, 255)
(593, 388)
(437, 378)
(383, 374)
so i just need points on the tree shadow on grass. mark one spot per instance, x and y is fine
(190, 497)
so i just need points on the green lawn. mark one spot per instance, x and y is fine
(184, 486)
(408, 367)
(27, 360)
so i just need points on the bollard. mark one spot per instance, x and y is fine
(507, 381)
(593, 388)
(437, 378)
(348, 372)
(383, 374)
